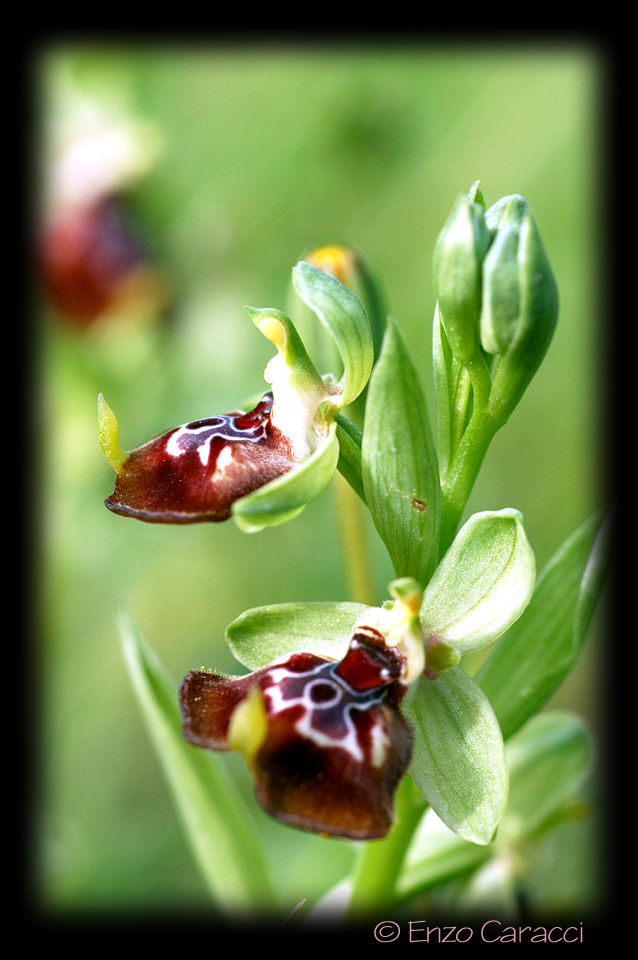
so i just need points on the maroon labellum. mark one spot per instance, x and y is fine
(330, 745)
(197, 471)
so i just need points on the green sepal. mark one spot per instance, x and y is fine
(342, 314)
(218, 824)
(506, 210)
(280, 330)
(539, 650)
(399, 464)
(482, 584)
(519, 310)
(475, 194)
(263, 634)
(547, 761)
(500, 304)
(459, 757)
(284, 498)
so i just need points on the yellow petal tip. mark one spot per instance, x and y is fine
(274, 330)
(108, 431)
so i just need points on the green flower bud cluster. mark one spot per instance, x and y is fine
(496, 291)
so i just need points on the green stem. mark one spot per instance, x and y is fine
(380, 861)
(459, 478)
(480, 377)
(356, 557)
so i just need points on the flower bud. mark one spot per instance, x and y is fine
(520, 298)
(350, 268)
(458, 255)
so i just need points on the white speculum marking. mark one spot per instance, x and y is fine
(224, 459)
(223, 430)
(349, 741)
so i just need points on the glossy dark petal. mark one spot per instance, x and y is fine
(196, 472)
(335, 748)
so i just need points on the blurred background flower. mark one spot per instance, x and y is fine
(94, 259)
(250, 156)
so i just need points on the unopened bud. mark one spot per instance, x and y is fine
(508, 210)
(351, 269)
(520, 298)
(458, 255)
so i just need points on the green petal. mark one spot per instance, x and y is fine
(285, 497)
(483, 583)
(459, 758)
(261, 635)
(342, 314)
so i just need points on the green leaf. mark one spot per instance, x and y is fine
(399, 465)
(220, 829)
(548, 760)
(261, 635)
(284, 498)
(459, 757)
(342, 314)
(482, 584)
(540, 649)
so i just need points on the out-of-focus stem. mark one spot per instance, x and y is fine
(356, 558)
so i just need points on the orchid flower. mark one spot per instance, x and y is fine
(343, 700)
(325, 739)
(265, 465)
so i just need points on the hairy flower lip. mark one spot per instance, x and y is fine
(196, 472)
(329, 744)
(293, 460)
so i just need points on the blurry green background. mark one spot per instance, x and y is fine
(268, 150)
